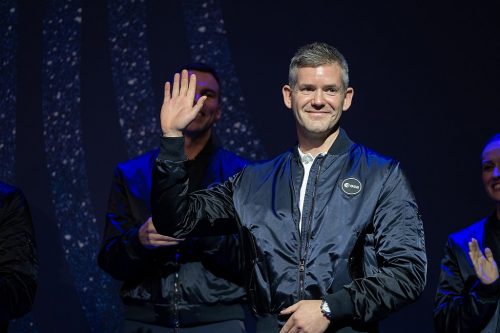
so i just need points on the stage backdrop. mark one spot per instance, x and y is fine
(81, 87)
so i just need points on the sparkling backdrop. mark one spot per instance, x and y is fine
(139, 120)
(65, 162)
(8, 45)
(208, 43)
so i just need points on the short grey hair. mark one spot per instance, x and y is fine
(315, 55)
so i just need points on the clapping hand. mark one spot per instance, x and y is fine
(484, 265)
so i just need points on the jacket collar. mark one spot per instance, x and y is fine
(341, 145)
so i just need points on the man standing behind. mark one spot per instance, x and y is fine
(332, 234)
(171, 285)
(468, 294)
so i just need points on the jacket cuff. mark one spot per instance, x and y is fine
(487, 291)
(172, 149)
(341, 305)
(138, 250)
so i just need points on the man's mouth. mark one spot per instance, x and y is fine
(318, 111)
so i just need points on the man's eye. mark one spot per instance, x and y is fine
(487, 166)
(332, 91)
(307, 90)
(208, 94)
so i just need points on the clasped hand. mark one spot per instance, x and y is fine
(151, 239)
(305, 317)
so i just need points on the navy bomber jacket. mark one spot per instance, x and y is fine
(361, 244)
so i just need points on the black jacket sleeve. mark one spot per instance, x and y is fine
(18, 261)
(203, 213)
(462, 305)
(122, 255)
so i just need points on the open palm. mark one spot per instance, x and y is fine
(178, 108)
(484, 265)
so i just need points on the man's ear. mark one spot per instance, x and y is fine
(287, 95)
(349, 93)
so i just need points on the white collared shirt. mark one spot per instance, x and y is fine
(307, 162)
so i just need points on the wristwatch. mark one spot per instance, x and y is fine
(325, 309)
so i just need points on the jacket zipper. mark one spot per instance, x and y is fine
(307, 231)
(176, 294)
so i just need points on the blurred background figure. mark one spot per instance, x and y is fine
(468, 291)
(172, 285)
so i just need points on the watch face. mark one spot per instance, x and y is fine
(325, 309)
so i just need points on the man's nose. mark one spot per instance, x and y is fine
(318, 98)
(496, 171)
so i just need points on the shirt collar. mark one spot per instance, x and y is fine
(307, 158)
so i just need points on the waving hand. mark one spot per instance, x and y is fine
(178, 108)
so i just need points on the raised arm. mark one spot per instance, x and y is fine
(174, 212)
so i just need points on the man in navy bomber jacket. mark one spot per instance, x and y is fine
(332, 235)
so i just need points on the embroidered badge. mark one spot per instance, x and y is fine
(351, 186)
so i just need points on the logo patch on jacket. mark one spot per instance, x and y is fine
(351, 186)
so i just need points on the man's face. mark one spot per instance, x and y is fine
(206, 85)
(491, 170)
(317, 100)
